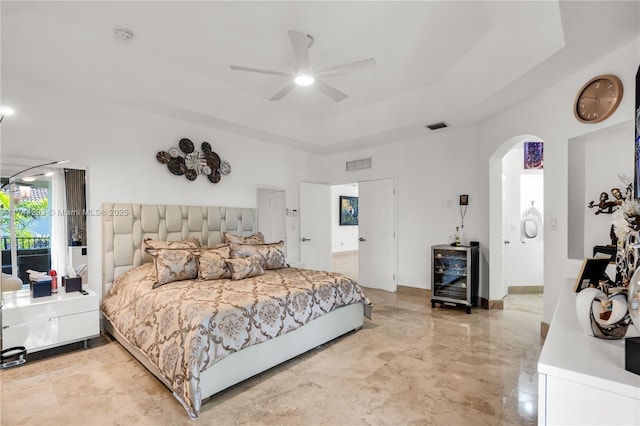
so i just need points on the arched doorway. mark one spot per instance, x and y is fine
(515, 239)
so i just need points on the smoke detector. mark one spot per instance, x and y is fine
(123, 34)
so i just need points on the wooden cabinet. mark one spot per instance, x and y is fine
(454, 275)
(45, 322)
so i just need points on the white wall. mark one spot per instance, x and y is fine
(118, 146)
(594, 167)
(343, 238)
(602, 169)
(429, 170)
(525, 263)
(549, 115)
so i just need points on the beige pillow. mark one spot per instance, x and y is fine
(271, 255)
(173, 265)
(148, 245)
(257, 238)
(212, 263)
(191, 242)
(245, 267)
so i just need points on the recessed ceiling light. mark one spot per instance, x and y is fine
(123, 34)
(304, 79)
(6, 110)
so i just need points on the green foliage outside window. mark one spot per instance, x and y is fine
(25, 215)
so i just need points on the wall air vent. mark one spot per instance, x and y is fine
(364, 163)
(438, 125)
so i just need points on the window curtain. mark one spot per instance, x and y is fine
(76, 220)
(59, 239)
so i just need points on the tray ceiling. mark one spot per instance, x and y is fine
(455, 61)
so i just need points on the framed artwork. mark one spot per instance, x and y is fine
(348, 210)
(591, 272)
(533, 155)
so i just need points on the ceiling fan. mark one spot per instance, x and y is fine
(303, 74)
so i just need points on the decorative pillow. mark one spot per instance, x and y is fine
(191, 242)
(212, 263)
(148, 245)
(245, 267)
(271, 255)
(257, 238)
(173, 265)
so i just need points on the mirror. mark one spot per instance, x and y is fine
(31, 207)
(595, 162)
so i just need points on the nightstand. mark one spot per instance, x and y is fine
(46, 322)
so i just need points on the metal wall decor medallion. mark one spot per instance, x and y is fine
(186, 161)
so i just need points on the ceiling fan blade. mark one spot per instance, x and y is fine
(282, 93)
(300, 43)
(330, 91)
(351, 66)
(261, 71)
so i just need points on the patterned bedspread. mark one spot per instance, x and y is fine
(185, 327)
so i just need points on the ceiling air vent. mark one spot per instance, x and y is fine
(364, 163)
(438, 125)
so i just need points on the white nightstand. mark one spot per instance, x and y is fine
(45, 322)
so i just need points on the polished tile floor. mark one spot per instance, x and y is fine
(346, 262)
(409, 365)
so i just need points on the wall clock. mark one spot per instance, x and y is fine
(598, 99)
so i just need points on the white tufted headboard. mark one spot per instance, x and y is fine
(125, 226)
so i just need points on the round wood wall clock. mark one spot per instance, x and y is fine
(598, 99)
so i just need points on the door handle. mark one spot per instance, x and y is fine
(305, 239)
(507, 242)
(361, 239)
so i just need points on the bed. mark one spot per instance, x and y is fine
(200, 336)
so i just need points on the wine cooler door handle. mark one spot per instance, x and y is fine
(361, 239)
(305, 239)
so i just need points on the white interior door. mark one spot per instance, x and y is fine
(315, 226)
(377, 234)
(504, 231)
(272, 215)
(278, 216)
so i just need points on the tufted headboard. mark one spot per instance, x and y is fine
(125, 226)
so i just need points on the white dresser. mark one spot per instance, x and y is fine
(45, 322)
(581, 378)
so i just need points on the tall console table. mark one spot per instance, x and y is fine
(581, 378)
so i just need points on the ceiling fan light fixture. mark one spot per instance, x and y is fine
(304, 80)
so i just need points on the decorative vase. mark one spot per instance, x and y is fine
(628, 256)
(634, 299)
(590, 307)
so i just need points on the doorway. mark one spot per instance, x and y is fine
(376, 234)
(517, 219)
(272, 214)
(345, 256)
(523, 223)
